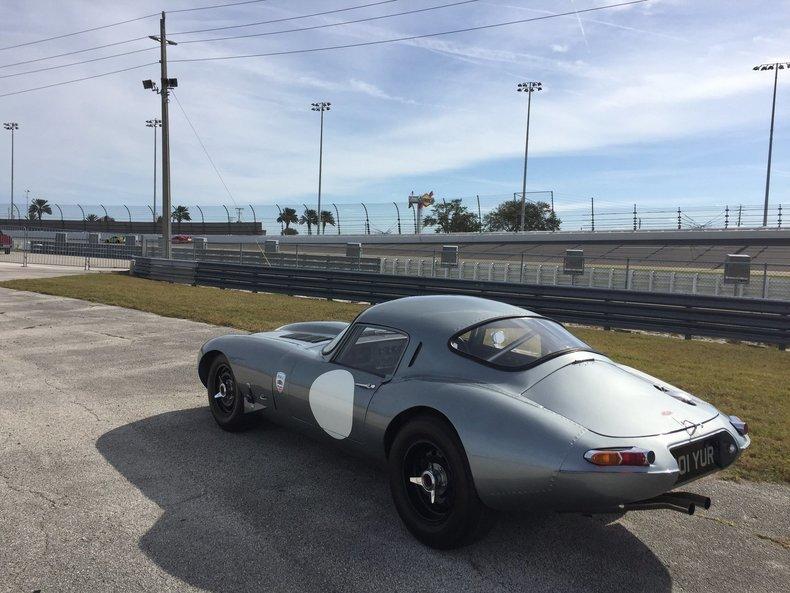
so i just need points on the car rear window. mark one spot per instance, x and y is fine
(516, 342)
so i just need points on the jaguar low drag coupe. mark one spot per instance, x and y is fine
(475, 407)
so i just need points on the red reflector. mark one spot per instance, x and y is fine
(609, 457)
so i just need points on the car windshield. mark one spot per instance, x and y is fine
(516, 342)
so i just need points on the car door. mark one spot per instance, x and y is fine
(341, 388)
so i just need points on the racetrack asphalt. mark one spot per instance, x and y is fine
(114, 477)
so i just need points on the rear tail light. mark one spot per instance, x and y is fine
(739, 425)
(632, 456)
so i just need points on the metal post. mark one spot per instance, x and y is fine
(154, 216)
(367, 219)
(679, 223)
(84, 222)
(779, 225)
(165, 94)
(62, 224)
(765, 280)
(280, 210)
(740, 210)
(254, 218)
(592, 213)
(130, 217)
(230, 231)
(627, 272)
(521, 272)
(106, 217)
(480, 213)
(337, 213)
(320, 167)
(526, 153)
(634, 216)
(726, 216)
(11, 126)
(397, 211)
(202, 218)
(770, 148)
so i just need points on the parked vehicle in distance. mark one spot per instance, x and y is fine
(476, 407)
(181, 239)
(115, 239)
(6, 243)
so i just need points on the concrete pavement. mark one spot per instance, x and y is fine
(114, 477)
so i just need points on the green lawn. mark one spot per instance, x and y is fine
(750, 381)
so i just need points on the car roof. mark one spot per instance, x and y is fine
(440, 315)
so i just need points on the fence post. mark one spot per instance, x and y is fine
(740, 210)
(367, 219)
(634, 216)
(130, 217)
(765, 280)
(679, 224)
(627, 272)
(202, 218)
(337, 212)
(433, 264)
(62, 224)
(241, 252)
(726, 216)
(228, 214)
(84, 223)
(780, 216)
(592, 214)
(297, 255)
(280, 210)
(106, 217)
(397, 211)
(521, 270)
(480, 214)
(254, 218)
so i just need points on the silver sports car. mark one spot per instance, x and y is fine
(475, 406)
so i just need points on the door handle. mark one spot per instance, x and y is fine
(366, 385)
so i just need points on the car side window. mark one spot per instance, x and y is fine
(373, 349)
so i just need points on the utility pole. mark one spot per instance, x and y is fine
(529, 88)
(320, 106)
(154, 123)
(776, 67)
(164, 92)
(12, 125)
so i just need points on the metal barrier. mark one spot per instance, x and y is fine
(754, 320)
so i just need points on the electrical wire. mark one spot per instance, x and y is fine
(217, 6)
(139, 18)
(203, 146)
(135, 51)
(290, 18)
(125, 41)
(324, 26)
(48, 86)
(451, 4)
(71, 53)
(411, 37)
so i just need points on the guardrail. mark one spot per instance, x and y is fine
(755, 320)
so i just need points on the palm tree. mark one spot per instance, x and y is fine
(180, 213)
(92, 218)
(310, 218)
(288, 216)
(327, 218)
(39, 207)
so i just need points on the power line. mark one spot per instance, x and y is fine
(451, 4)
(125, 41)
(217, 6)
(280, 20)
(203, 146)
(412, 37)
(127, 53)
(47, 86)
(71, 53)
(361, 20)
(139, 18)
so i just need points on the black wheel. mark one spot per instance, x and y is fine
(224, 397)
(432, 486)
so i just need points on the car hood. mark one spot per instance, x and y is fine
(618, 401)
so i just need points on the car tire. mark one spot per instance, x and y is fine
(455, 516)
(228, 410)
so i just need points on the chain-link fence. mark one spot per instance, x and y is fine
(373, 217)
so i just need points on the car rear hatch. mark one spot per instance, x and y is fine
(617, 401)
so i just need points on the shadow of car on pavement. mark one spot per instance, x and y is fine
(270, 509)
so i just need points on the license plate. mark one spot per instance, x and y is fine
(698, 458)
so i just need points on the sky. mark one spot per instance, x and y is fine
(654, 104)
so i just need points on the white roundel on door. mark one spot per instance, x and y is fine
(332, 402)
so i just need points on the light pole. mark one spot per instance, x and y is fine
(12, 125)
(320, 106)
(529, 88)
(776, 67)
(154, 123)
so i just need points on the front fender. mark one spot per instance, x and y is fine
(515, 448)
